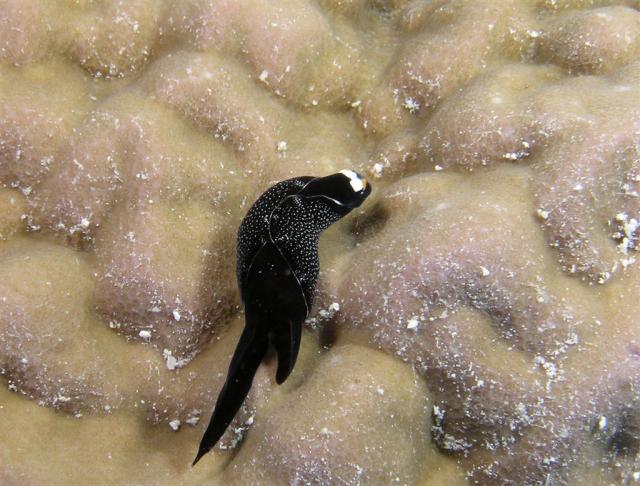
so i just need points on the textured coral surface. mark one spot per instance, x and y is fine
(478, 318)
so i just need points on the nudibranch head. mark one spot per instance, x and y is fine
(346, 189)
(356, 181)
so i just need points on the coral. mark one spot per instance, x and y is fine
(463, 285)
(342, 443)
(476, 320)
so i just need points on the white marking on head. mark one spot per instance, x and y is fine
(357, 183)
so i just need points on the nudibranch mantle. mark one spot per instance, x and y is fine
(277, 270)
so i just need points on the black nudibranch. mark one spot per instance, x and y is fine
(277, 269)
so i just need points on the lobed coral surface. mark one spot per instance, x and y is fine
(477, 320)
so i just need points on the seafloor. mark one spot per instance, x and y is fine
(477, 320)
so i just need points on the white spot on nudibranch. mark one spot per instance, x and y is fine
(357, 183)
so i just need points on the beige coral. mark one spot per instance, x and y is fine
(342, 443)
(463, 285)
(476, 321)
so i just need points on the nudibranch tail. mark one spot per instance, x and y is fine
(286, 341)
(247, 357)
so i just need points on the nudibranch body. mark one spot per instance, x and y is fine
(277, 270)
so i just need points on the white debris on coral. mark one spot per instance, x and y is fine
(438, 413)
(171, 361)
(193, 418)
(412, 323)
(446, 441)
(542, 214)
(330, 311)
(603, 278)
(411, 104)
(175, 424)
(145, 334)
(512, 156)
(377, 169)
(550, 369)
(541, 295)
(602, 423)
(518, 154)
(114, 324)
(524, 417)
(238, 435)
(325, 431)
(627, 235)
(628, 191)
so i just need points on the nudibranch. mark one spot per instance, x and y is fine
(277, 270)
